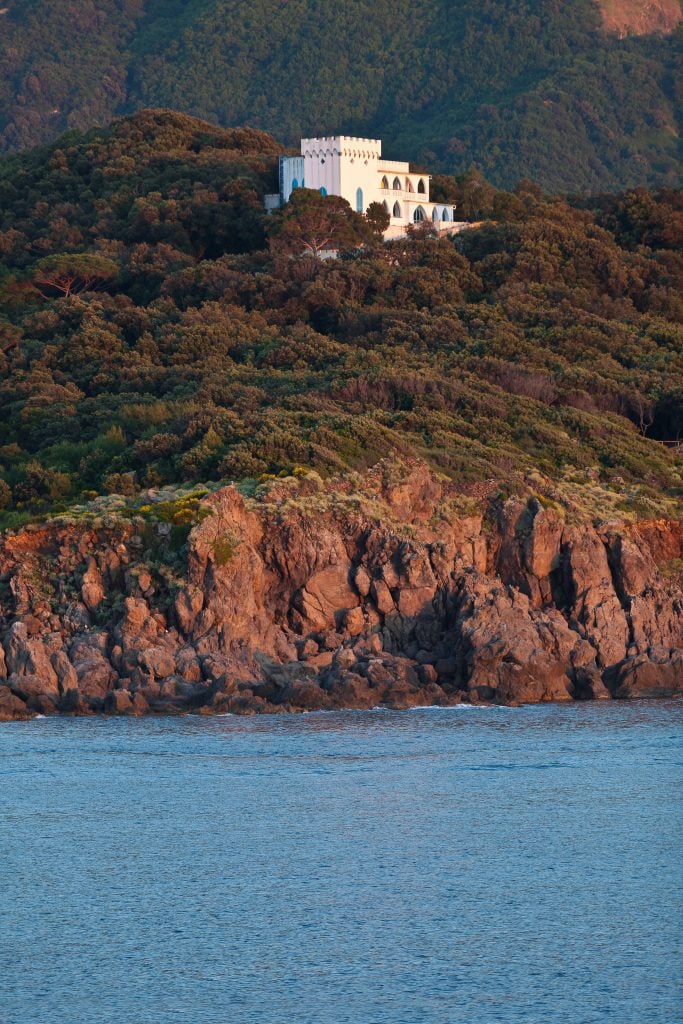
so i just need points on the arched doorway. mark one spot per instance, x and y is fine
(397, 210)
(421, 186)
(384, 183)
(445, 215)
(435, 214)
(419, 215)
(397, 185)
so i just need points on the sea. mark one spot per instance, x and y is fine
(471, 865)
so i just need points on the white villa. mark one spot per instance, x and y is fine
(343, 165)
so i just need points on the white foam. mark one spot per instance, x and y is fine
(459, 707)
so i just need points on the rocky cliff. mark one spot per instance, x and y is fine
(391, 590)
(640, 17)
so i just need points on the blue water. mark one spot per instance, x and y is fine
(424, 867)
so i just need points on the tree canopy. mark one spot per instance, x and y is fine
(519, 88)
(310, 223)
(70, 273)
(546, 340)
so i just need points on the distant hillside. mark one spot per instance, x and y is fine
(560, 92)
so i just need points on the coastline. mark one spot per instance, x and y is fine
(391, 589)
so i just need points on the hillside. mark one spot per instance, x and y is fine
(561, 93)
(157, 328)
(236, 478)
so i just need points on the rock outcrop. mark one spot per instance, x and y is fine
(357, 594)
(640, 17)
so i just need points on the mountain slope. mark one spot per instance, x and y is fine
(520, 89)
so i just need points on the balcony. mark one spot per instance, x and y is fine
(404, 193)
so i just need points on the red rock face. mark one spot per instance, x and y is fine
(352, 600)
(640, 17)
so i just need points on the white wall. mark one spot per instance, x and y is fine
(291, 169)
(359, 162)
(341, 164)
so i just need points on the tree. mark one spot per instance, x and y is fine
(475, 195)
(72, 273)
(10, 336)
(311, 223)
(378, 218)
(5, 494)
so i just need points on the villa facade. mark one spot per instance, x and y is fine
(343, 165)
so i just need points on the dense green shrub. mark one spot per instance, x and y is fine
(549, 340)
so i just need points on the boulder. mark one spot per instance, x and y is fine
(596, 607)
(32, 691)
(588, 683)
(643, 676)
(28, 655)
(325, 598)
(93, 669)
(12, 707)
(188, 605)
(157, 661)
(508, 653)
(122, 702)
(67, 678)
(92, 588)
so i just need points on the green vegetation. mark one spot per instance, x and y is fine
(528, 88)
(224, 549)
(216, 347)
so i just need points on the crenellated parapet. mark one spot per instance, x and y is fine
(352, 167)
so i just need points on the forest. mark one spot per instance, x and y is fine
(156, 328)
(535, 88)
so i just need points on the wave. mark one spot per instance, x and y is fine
(461, 707)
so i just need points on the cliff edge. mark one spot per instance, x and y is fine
(389, 589)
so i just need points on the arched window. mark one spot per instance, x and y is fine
(397, 185)
(421, 186)
(295, 183)
(323, 190)
(409, 185)
(418, 215)
(384, 183)
(445, 215)
(385, 204)
(359, 200)
(435, 214)
(397, 210)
